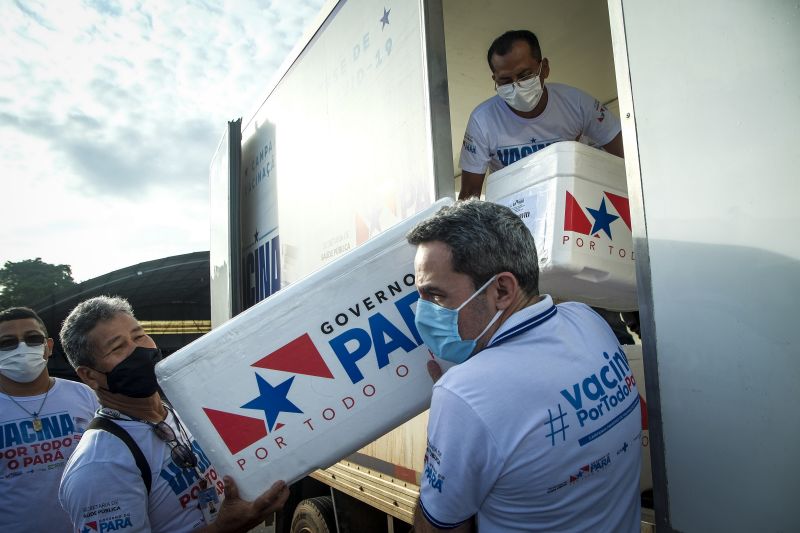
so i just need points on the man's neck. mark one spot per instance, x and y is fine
(40, 385)
(150, 408)
(536, 111)
(522, 301)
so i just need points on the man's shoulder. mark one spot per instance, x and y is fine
(478, 372)
(579, 310)
(574, 307)
(81, 396)
(491, 105)
(569, 93)
(99, 451)
(78, 386)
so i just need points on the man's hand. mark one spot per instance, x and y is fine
(237, 514)
(615, 146)
(434, 370)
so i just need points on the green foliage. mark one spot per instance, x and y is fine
(31, 280)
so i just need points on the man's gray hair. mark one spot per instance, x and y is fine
(82, 320)
(484, 239)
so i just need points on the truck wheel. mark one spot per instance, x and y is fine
(314, 515)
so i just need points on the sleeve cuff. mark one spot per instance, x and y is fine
(437, 523)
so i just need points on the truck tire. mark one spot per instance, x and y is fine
(314, 515)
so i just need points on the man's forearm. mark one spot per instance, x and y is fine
(471, 185)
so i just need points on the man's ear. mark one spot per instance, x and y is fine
(89, 376)
(545, 68)
(48, 348)
(507, 289)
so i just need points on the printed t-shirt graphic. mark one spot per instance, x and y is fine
(31, 462)
(121, 500)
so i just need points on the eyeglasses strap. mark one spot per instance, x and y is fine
(116, 415)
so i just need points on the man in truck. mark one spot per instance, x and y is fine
(526, 116)
(138, 466)
(537, 427)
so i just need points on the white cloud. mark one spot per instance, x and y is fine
(110, 112)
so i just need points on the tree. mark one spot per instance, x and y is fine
(31, 280)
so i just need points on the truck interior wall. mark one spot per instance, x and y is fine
(714, 111)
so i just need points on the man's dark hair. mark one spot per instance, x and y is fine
(21, 313)
(502, 45)
(484, 239)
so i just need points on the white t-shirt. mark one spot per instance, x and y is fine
(102, 486)
(539, 431)
(497, 137)
(31, 462)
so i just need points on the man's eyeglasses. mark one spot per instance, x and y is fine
(518, 82)
(10, 343)
(182, 455)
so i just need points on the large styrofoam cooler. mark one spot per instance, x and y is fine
(574, 200)
(312, 373)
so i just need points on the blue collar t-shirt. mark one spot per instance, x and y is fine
(540, 431)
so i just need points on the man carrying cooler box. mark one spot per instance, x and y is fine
(525, 116)
(538, 426)
(137, 467)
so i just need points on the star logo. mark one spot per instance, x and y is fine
(533, 140)
(625, 447)
(602, 219)
(298, 356)
(255, 236)
(385, 18)
(273, 400)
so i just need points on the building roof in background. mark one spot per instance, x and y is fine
(163, 289)
(169, 296)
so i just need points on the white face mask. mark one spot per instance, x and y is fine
(524, 95)
(24, 363)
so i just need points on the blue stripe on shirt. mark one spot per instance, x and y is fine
(435, 522)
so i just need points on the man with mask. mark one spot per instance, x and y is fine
(537, 428)
(41, 421)
(526, 115)
(138, 467)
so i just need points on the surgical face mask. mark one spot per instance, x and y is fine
(135, 376)
(24, 363)
(438, 327)
(522, 95)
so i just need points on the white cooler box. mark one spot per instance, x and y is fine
(311, 374)
(574, 200)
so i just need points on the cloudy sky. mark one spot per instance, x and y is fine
(110, 112)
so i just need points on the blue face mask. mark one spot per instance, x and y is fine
(438, 327)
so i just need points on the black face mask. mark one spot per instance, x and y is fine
(136, 375)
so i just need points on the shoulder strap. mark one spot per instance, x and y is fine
(106, 424)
